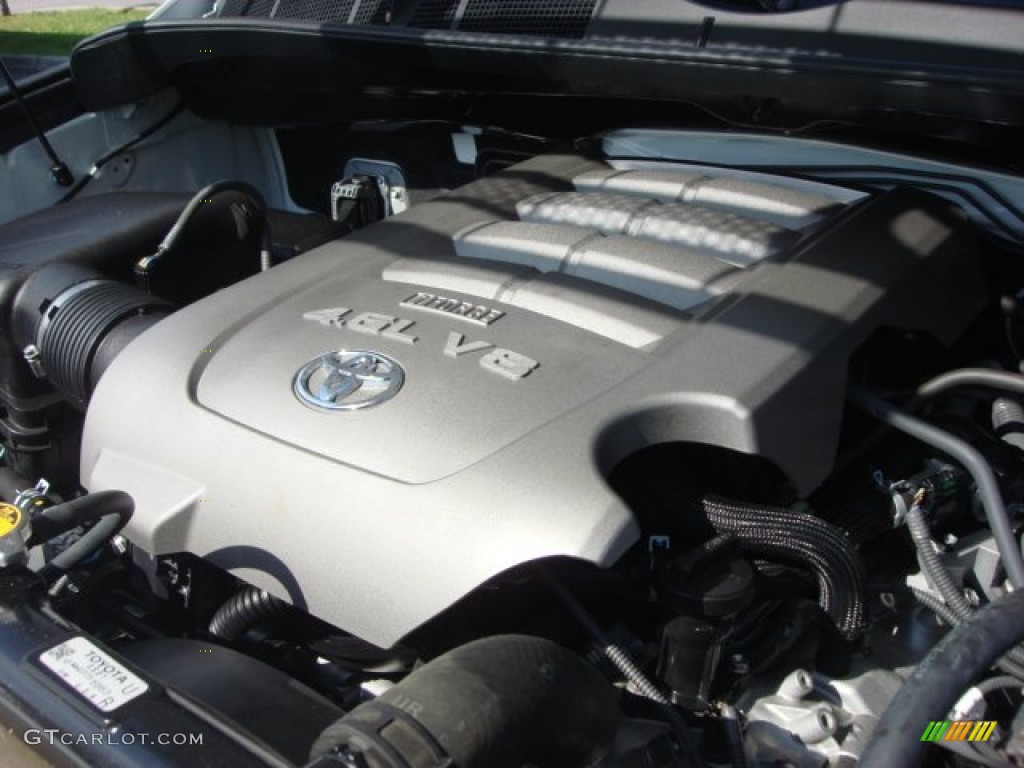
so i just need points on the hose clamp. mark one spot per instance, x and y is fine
(24, 500)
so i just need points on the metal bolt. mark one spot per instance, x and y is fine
(59, 585)
(34, 359)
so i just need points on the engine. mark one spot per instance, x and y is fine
(470, 371)
(642, 410)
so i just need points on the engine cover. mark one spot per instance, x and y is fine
(380, 425)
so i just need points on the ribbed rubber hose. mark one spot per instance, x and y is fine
(498, 702)
(243, 611)
(795, 536)
(71, 340)
(937, 683)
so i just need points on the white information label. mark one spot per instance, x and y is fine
(101, 680)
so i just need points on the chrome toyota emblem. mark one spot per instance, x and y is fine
(348, 380)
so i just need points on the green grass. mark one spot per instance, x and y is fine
(55, 33)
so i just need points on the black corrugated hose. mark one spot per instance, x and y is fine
(796, 536)
(939, 576)
(936, 606)
(244, 610)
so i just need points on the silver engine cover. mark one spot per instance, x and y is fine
(549, 321)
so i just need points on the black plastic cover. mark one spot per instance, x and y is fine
(258, 700)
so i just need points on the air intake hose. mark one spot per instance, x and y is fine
(72, 322)
(499, 702)
(778, 533)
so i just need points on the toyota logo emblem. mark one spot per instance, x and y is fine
(348, 380)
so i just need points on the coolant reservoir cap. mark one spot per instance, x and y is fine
(13, 533)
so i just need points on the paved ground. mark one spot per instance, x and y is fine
(14, 752)
(24, 6)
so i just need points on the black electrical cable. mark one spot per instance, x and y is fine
(105, 158)
(972, 461)
(145, 265)
(58, 168)
(938, 682)
(203, 196)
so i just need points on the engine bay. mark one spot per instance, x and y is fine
(567, 458)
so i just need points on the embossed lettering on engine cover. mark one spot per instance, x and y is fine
(502, 362)
(464, 310)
